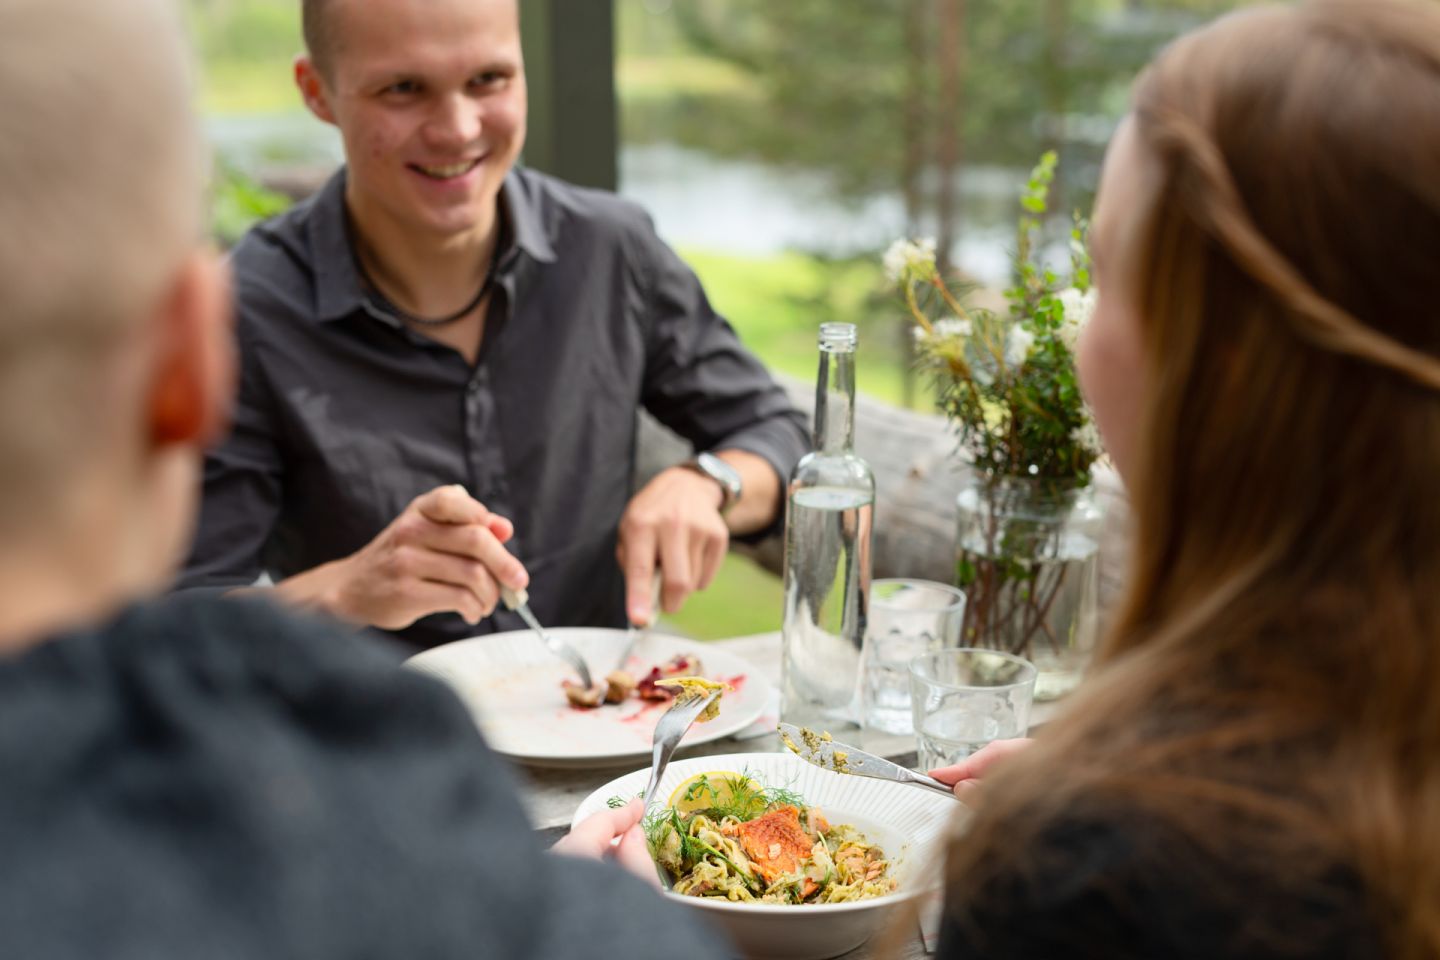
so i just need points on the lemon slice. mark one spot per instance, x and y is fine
(715, 788)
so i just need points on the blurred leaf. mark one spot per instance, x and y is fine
(238, 203)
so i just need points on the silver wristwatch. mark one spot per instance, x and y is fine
(722, 473)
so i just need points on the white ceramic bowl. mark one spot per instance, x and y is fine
(909, 823)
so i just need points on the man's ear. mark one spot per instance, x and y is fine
(192, 382)
(312, 88)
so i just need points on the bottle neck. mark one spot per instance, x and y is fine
(835, 401)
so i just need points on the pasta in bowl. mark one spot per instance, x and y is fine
(723, 834)
(793, 861)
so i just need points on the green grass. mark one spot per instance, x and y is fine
(247, 48)
(777, 304)
(743, 599)
(670, 77)
(240, 87)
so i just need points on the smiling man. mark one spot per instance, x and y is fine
(443, 356)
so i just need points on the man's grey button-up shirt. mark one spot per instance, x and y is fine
(345, 415)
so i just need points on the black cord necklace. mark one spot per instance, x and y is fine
(386, 304)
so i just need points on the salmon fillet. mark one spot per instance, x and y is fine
(775, 843)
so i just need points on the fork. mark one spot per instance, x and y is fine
(519, 601)
(672, 726)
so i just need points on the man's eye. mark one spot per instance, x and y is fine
(489, 79)
(403, 88)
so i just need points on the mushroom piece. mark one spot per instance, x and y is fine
(619, 685)
(585, 697)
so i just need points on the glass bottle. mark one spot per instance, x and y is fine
(829, 505)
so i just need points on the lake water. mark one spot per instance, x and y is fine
(707, 202)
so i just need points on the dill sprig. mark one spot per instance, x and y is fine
(747, 799)
(656, 827)
(739, 796)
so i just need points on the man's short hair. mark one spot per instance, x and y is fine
(319, 32)
(317, 22)
(101, 199)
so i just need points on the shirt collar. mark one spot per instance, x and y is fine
(339, 292)
(526, 225)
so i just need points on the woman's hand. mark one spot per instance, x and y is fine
(594, 837)
(966, 775)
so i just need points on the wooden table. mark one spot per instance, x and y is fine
(551, 796)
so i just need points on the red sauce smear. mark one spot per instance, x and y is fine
(646, 711)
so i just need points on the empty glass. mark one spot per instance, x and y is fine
(905, 619)
(962, 699)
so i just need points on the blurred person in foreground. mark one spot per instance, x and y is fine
(1253, 768)
(438, 316)
(205, 778)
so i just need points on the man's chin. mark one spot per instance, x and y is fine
(451, 228)
(456, 219)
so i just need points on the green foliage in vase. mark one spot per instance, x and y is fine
(1007, 381)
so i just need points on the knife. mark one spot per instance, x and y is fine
(828, 754)
(640, 630)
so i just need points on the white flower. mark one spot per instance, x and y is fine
(1079, 308)
(951, 327)
(908, 260)
(920, 334)
(1088, 437)
(1017, 345)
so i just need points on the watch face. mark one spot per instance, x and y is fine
(724, 474)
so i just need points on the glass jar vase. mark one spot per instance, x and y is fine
(1027, 557)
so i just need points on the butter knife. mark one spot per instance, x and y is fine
(828, 754)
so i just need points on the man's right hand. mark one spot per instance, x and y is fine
(444, 553)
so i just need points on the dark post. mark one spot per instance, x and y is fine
(570, 68)
(917, 112)
(948, 105)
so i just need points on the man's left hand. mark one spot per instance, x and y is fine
(674, 521)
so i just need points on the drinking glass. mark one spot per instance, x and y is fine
(964, 698)
(905, 619)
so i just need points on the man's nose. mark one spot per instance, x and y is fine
(455, 122)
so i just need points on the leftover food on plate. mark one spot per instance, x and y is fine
(620, 685)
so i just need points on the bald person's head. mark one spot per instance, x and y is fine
(101, 210)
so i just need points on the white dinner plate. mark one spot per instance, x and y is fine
(512, 684)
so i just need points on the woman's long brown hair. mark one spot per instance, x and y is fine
(1270, 691)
